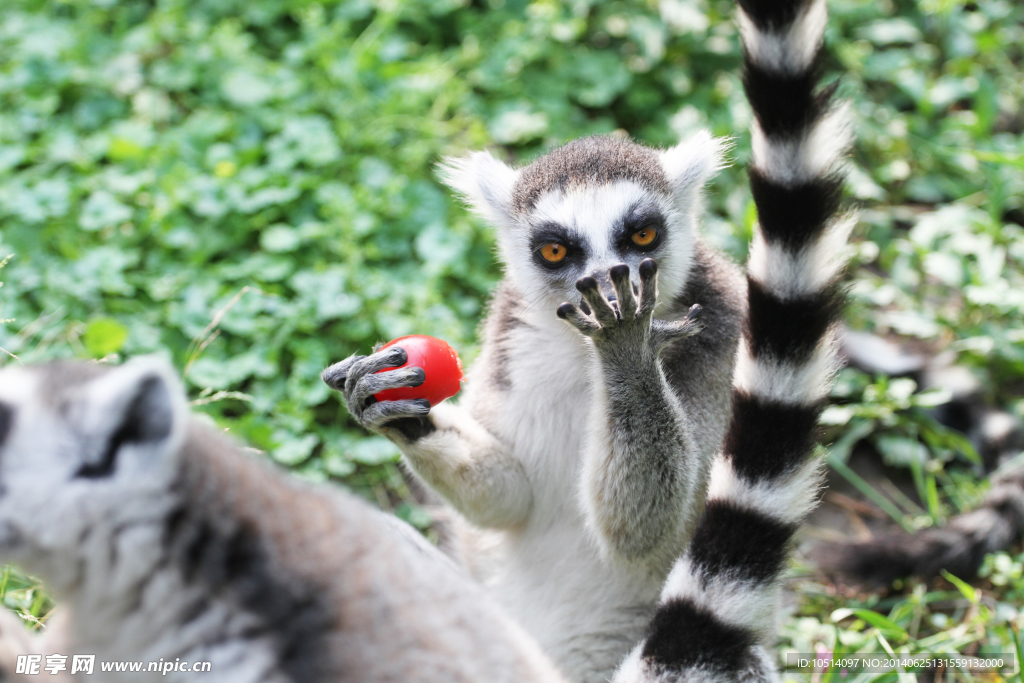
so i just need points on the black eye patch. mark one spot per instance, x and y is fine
(640, 218)
(553, 233)
(6, 422)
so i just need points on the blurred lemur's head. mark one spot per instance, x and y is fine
(589, 205)
(88, 457)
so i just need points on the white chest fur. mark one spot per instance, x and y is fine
(586, 611)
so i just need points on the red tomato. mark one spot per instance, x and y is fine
(440, 362)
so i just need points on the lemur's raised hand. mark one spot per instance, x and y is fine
(640, 456)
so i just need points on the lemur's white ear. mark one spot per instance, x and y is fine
(140, 405)
(691, 163)
(483, 181)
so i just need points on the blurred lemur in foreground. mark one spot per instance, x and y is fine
(162, 540)
(628, 454)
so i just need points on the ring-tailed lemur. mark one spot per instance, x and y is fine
(162, 540)
(580, 458)
(580, 464)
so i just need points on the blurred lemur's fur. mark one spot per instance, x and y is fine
(580, 456)
(162, 540)
(961, 544)
(959, 547)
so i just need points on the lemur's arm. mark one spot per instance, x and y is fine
(450, 449)
(641, 475)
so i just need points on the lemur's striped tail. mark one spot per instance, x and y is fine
(959, 547)
(718, 607)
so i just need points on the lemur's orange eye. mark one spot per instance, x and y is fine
(644, 237)
(553, 252)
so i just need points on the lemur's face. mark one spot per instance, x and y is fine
(586, 230)
(590, 205)
(85, 454)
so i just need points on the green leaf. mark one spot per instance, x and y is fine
(1018, 647)
(414, 515)
(932, 398)
(891, 31)
(518, 126)
(374, 450)
(244, 88)
(103, 210)
(603, 77)
(279, 238)
(868, 490)
(966, 589)
(901, 451)
(104, 336)
(123, 149)
(294, 450)
(879, 621)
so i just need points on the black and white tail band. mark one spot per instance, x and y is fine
(717, 613)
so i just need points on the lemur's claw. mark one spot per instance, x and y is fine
(377, 382)
(335, 375)
(586, 283)
(623, 287)
(578, 318)
(665, 331)
(606, 314)
(648, 285)
(359, 378)
(597, 301)
(377, 415)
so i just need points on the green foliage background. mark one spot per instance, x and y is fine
(248, 187)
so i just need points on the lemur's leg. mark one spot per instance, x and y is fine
(446, 446)
(639, 472)
(717, 616)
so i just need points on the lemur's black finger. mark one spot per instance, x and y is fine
(665, 331)
(379, 413)
(694, 312)
(390, 357)
(601, 307)
(575, 317)
(648, 285)
(623, 291)
(373, 383)
(334, 376)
